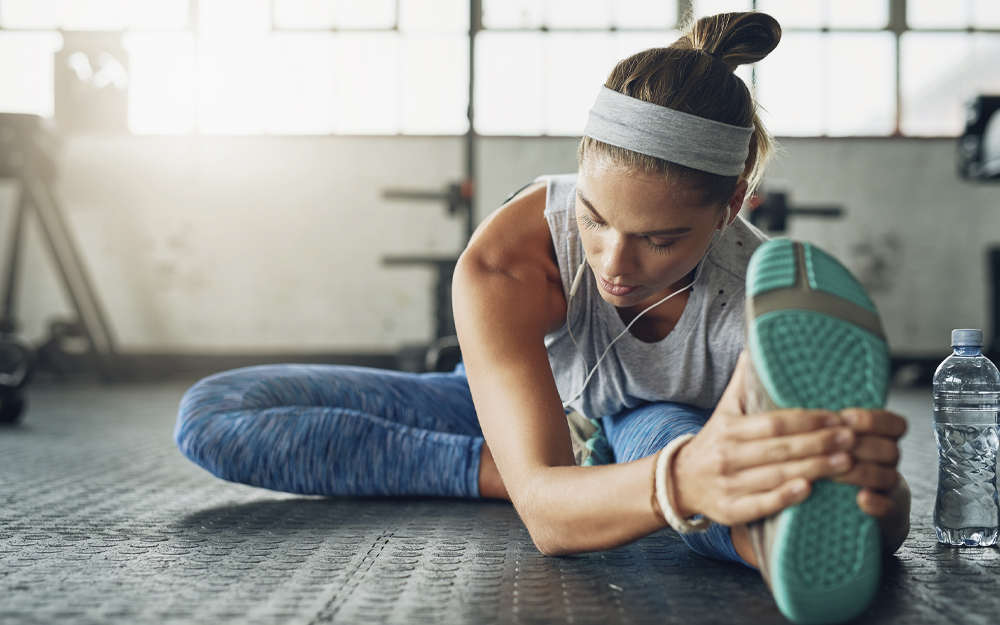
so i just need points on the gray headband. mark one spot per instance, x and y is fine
(681, 138)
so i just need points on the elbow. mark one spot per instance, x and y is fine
(550, 539)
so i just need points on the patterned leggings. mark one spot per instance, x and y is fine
(331, 430)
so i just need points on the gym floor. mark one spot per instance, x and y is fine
(103, 521)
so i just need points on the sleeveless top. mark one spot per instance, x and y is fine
(692, 365)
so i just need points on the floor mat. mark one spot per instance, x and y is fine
(103, 521)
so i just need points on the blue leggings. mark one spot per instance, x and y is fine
(331, 430)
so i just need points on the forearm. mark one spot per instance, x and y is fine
(580, 509)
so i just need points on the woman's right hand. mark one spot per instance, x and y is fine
(741, 468)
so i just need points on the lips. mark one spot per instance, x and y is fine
(617, 290)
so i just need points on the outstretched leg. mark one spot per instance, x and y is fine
(643, 431)
(331, 430)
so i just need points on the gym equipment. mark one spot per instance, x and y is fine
(979, 145)
(27, 149)
(443, 353)
(774, 211)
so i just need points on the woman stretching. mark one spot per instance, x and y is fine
(601, 319)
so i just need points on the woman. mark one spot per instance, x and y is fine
(613, 294)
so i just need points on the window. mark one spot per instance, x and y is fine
(248, 67)
(251, 67)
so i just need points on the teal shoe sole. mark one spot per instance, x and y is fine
(816, 341)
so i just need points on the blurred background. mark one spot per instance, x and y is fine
(213, 183)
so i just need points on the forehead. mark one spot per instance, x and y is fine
(637, 201)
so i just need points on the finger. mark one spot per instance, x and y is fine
(759, 505)
(785, 422)
(768, 477)
(880, 422)
(784, 448)
(876, 449)
(870, 475)
(875, 504)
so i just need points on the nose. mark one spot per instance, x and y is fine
(616, 257)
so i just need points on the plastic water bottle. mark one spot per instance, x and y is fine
(966, 400)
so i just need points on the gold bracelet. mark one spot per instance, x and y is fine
(664, 467)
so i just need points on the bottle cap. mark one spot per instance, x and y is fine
(966, 338)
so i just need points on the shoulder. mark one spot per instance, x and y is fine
(732, 253)
(516, 235)
(511, 256)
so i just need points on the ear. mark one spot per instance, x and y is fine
(736, 201)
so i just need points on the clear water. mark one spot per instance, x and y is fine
(965, 512)
(966, 401)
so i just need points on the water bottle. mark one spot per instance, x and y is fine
(966, 400)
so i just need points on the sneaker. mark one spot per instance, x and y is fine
(815, 341)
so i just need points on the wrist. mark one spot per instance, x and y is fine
(679, 481)
(664, 483)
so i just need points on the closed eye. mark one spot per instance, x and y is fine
(588, 222)
(660, 248)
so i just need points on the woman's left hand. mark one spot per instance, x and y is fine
(884, 493)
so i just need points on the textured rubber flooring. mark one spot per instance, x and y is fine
(102, 521)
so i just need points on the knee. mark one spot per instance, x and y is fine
(198, 408)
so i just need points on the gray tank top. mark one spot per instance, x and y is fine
(692, 365)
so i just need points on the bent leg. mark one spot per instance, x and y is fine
(640, 432)
(330, 430)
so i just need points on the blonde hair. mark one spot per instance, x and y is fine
(695, 75)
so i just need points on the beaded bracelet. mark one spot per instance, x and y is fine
(664, 466)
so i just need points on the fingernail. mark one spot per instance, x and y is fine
(844, 439)
(833, 420)
(798, 487)
(850, 416)
(839, 461)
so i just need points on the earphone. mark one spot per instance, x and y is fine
(576, 285)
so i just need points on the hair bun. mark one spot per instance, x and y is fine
(733, 38)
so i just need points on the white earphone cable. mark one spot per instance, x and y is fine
(576, 284)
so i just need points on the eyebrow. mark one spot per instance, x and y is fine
(655, 233)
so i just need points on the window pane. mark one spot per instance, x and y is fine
(29, 14)
(159, 14)
(512, 13)
(578, 14)
(304, 14)
(435, 85)
(789, 86)
(937, 13)
(95, 14)
(861, 88)
(161, 93)
(508, 95)
(933, 70)
(368, 92)
(370, 14)
(857, 13)
(985, 14)
(247, 16)
(27, 72)
(434, 16)
(984, 72)
(794, 13)
(645, 13)
(301, 84)
(232, 84)
(578, 64)
(711, 7)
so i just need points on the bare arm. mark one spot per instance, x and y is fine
(508, 296)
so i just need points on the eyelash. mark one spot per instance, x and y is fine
(659, 249)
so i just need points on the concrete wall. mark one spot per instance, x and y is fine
(273, 244)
